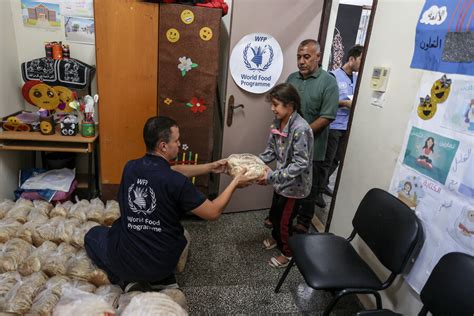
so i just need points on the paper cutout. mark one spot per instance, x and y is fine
(197, 105)
(440, 90)
(187, 16)
(172, 35)
(205, 33)
(427, 108)
(185, 65)
(65, 97)
(168, 101)
(185, 146)
(43, 96)
(410, 190)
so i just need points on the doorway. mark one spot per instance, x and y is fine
(353, 25)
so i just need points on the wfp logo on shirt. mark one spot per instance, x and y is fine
(141, 197)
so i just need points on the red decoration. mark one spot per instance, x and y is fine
(197, 105)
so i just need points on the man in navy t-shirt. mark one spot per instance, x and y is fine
(142, 248)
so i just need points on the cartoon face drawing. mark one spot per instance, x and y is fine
(43, 96)
(172, 35)
(426, 109)
(187, 16)
(205, 33)
(46, 128)
(440, 89)
(65, 96)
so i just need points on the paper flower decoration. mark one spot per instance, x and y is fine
(185, 65)
(185, 146)
(197, 105)
(168, 101)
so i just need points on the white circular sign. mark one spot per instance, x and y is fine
(256, 62)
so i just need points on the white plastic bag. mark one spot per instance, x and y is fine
(78, 303)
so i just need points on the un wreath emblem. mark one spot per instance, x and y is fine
(139, 197)
(259, 53)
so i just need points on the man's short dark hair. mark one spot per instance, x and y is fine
(355, 52)
(157, 129)
(307, 42)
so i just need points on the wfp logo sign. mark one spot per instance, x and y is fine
(256, 62)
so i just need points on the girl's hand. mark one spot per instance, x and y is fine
(243, 180)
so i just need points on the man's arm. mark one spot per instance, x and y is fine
(319, 124)
(197, 170)
(212, 210)
(345, 104)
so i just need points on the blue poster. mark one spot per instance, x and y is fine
(445, 37)
(430, 154)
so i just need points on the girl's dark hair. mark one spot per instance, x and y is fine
(157, 129)
(287, 94)
(426, 143)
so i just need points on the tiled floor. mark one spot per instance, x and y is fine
(227, 272)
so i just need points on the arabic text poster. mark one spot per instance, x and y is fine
(40, 14)
(444, 37)
(430, 154)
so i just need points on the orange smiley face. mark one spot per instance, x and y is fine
(65, 97)
(43, 96)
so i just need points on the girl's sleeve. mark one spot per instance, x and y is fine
(302, 156)
(268, 154)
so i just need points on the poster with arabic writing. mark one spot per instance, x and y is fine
(434, 172)
(445, 37)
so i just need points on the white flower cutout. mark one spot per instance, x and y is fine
(185, 65)
(185, 146)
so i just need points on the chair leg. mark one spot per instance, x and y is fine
(333, 302)
(378, 300)
(285, 274)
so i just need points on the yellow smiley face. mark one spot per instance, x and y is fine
(205, 33)
(46, 127)
(43, 96)
(65, 97)
(172, 35)
(427, 109)
(440, 90)
(187, 16)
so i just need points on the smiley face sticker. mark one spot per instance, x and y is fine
(205, 33)
(187, 16)
(172, 35)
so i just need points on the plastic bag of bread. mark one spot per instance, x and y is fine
(124, 300)
(43, 206)
(37, 258)
(81, 267)
(178, 296)
(14, 252)
(110, 293)
(7, 281)
(45, 231)
(150, 304)
(65, 229)
(99, 277)
(35, 218)
(237, 163)
(75, 302)
(111, 213)
(77, 238)
(59, 210)
(56, 263)
(5, 206)
(79, 210)
(20, 297)
(80, 285)
(19, 212)
(96, 211)
(8, 228)
(45, 301)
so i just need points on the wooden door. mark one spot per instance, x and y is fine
(127, 72)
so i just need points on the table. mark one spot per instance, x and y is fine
(37, 142)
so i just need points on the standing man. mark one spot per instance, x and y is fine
(346, 78)
(142, 248)
(319, 98)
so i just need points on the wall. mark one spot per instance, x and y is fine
(377, 133)
(11, 102)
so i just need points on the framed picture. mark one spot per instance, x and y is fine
(79, 30)
(41, 15)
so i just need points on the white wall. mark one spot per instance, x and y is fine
(10, 98)
(377, 133)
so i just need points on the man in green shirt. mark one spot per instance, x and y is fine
(319, 103)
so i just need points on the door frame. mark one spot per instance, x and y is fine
(327, 225)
